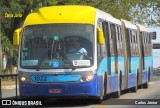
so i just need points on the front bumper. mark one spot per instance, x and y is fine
(88, 88)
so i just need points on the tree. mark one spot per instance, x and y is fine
(24, 7)
(9, 49)
(8, 9)
(147, 12)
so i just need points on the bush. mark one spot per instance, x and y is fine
(10, 50)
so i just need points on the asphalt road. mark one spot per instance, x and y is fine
(153, 92)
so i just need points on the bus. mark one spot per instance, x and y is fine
(110, 55)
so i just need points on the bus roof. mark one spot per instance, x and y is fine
(143, 28)
(128, 24)
(62, 14)
(108, 17)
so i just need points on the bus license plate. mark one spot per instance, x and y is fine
(55, 90)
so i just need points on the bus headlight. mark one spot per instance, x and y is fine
(87, 78)
(23, 79)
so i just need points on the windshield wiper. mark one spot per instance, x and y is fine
(64, 55)
(42, 60)
(56, 55)
(57, 44)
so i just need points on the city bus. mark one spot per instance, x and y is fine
(81, 51)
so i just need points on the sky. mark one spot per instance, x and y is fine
(156, 52)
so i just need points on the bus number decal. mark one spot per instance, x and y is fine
(39, 78)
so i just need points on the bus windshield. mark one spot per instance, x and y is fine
(47, 44)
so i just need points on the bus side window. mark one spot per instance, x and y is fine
(101, 49)
(118, 37)
(113, 41)
(136, 47)
(106, 34)
(120, 40)
(150, 49)
(147, 44)
(134, 43)
(129, 42)
(143, 49)
(114, 44)
(144, 43)
(110, 40)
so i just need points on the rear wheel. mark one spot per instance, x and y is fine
(145, 85)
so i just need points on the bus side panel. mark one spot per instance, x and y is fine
(148, 65)
(121, 69)
(100, 73)
(144, 76)
(113, 83)
(114, 76)
(132, 76)
(151, 67)
(144, 73)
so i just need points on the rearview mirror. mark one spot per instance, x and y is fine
(16, 36)
(100, 36)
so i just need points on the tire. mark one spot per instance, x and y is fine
(145, 85)
(99, 100)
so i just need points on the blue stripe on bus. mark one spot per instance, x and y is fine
(102, 66)
(55, 79)
(134, 64)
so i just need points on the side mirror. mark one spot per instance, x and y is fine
(16, 36)
(100, 36)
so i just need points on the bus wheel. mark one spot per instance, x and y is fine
(99, 100)
(145, 85)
